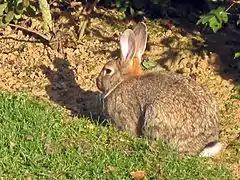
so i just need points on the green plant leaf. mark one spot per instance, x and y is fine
(31, 10)
(9, 17)
(214, 24)
(2, 24)
(127, 3)
(17, 16)
(235, 97)
(20, 8)
(140, 12)
(149, 64)
(2, 8)
(18, 1)
(204, 19)
(118, 3)
(132, 12)
(238, 21)
(122, 9)
(224, 16)
(215, 19)
(236, 55)
(221, 14)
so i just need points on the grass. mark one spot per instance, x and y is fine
(39, 141)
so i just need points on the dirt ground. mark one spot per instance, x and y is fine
(65, 73)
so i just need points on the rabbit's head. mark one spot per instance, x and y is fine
(132, 45)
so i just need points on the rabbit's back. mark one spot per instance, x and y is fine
(184, 114)
(166, 106)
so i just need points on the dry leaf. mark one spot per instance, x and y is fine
(137, 175)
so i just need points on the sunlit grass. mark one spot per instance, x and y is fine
(39, 141)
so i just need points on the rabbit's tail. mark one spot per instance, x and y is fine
(211, 149)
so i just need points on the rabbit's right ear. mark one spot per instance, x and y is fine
(140, 32)
(128, 46)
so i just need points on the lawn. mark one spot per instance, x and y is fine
(39, 141)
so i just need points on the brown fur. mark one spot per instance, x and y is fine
(166, 106)
(160, 105)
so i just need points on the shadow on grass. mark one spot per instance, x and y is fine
(65, 91)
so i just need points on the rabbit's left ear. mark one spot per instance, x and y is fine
(140, 32)
(127, 45)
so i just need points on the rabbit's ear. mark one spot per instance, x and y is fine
(127, 45)
(140, 32)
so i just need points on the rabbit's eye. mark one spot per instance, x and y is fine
(108, 71)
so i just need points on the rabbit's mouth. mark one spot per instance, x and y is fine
(100, 85)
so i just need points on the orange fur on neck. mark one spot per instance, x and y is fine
(136, 69)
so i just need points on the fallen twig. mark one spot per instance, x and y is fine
(42, 36)
(86, 17)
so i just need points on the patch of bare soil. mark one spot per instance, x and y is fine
(65, 73)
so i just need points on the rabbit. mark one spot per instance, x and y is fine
(158, 105)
